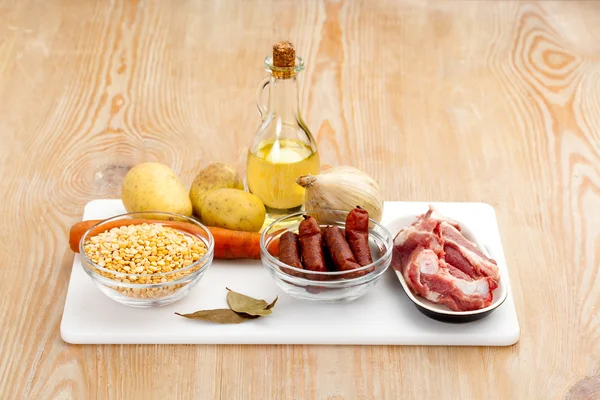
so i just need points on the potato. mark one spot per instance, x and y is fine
(215, 176)
(155, 187)
(233, 209)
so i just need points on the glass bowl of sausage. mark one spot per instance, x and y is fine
(330, 256)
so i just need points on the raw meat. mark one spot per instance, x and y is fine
(464, 254)
(441, 265)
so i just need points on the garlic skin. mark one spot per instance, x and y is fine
(342, 188)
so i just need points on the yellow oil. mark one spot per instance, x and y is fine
(271, 173)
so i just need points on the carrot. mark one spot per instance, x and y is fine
(229, 244)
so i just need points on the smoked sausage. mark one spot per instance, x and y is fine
(357, 235)
(289, 252)
(340, 251)
(311, 247)
(327, 257)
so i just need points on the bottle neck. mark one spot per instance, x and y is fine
(283, 99)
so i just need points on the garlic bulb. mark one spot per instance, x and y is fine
(342, 188)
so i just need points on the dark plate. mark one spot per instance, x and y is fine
(454, 319)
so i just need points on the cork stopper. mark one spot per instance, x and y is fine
(284, 56)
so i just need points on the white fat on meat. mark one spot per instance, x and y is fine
(429, 264)
(432, 296)
(456, 230)
(402, 236)
(436, 215)
(479, 286)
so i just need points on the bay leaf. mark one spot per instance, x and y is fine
(255, 314)
(219, 316)
(272, 304)
(243, 304)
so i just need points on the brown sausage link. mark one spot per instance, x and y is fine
(327, 257)
(342, 256)
(357, 235)
(311, 247)
(289, 252)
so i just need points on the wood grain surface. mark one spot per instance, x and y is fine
(490, 101)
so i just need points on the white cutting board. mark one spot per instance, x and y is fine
(384, 316)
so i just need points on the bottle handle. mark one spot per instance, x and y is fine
(262, 110)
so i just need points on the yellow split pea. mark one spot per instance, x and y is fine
(145, 249)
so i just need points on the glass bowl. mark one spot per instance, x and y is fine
(330, 286)
(142, 289)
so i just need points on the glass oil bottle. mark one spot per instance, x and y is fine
(283, 147)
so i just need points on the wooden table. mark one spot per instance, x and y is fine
(450, 101)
